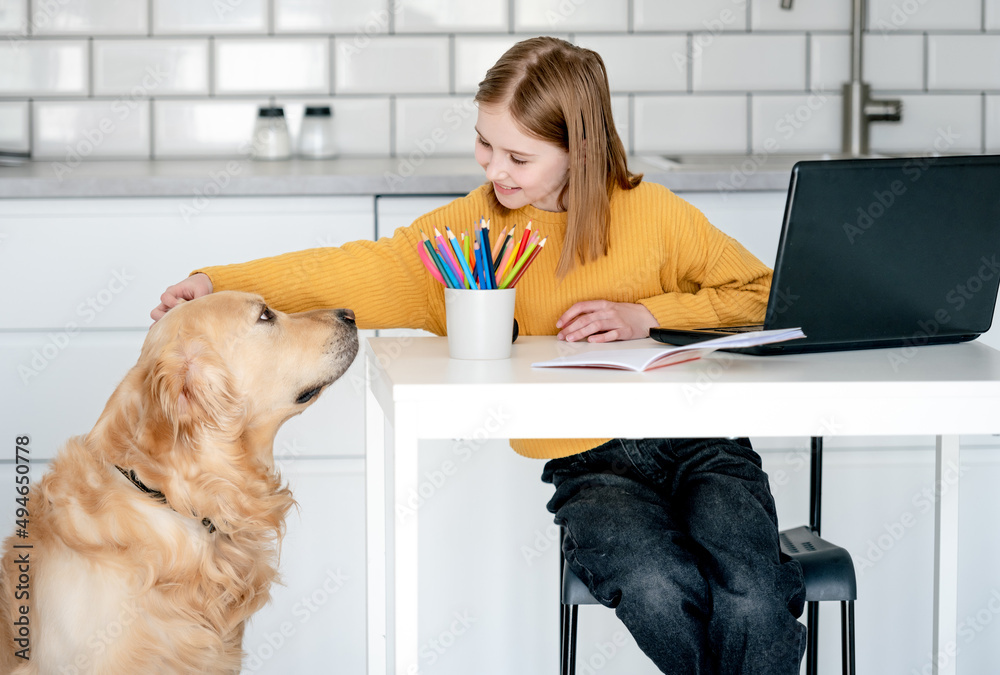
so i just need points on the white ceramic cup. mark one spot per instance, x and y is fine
(480, 322)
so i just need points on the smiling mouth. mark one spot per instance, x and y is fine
(504, 187)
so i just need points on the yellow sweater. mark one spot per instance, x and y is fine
(663, 254)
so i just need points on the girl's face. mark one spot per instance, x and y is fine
(523, 169)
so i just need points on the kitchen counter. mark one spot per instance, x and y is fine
(43, 179)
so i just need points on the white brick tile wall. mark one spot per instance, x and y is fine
(14, 126)
(992, 141)
(798, 124)
(724, 72)
(44, 68)
(89, 17)
(392, 65)
(730, 62)
(151, 67)
(621, 107)
(361, 17)
(829, 62)
(272, 66)
(963, 62)
(14, 17)
(545, 16)
(203, 128)
(199, 17)
(804, 15)
(435, 126)
(449, 16)
(362, 126)
(674, 125)
(710, 16)
(933, 123)
(642, 62)
(474, 55)
(991, 12)
(889, 16)
(71, 131)
(894, 61)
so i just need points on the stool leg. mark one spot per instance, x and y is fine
(812, 638)
(847, 636)
(567, 659)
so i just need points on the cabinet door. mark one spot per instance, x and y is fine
(315, 622)
(103, 263)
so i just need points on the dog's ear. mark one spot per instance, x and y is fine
(192, 386)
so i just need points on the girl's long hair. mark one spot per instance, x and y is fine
(559, 93)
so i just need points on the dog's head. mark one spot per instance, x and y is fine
(217, 377)
(229, 355)
(227, 365)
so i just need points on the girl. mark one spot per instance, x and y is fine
(678, 535)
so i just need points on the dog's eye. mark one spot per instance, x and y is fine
(267, 315)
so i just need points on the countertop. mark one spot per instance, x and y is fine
(41, 179)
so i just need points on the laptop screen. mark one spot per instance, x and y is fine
(889, 249)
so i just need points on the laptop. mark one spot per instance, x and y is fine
(878, 253)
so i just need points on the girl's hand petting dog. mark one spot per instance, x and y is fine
(193, 287)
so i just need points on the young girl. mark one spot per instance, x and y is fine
(678, 535)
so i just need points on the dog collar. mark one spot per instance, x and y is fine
(156, 494)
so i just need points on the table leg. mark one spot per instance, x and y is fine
(375, 529)
(404, 555)
(946, 555)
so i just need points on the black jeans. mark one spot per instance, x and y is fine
(680, 536)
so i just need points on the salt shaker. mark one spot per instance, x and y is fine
(270, 136)
(316, 135)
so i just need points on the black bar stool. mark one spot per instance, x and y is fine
(827, 568)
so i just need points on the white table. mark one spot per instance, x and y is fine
(414, 392)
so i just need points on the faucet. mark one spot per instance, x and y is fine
(859, 108)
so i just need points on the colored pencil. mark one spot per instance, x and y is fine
(524, 268)
(481, 280)
(518, 265)
(442, 265)
(468, 260)
(470, 281)
(525, 237)
(444, 248)
(501, 243)
(484, 235)
(510, 256)
(502, 255)
(432, 267)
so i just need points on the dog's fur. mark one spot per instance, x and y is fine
(121, 583)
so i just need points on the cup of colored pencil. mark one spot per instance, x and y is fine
(479, 324)
(468, 261)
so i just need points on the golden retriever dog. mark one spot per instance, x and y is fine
(152, 539)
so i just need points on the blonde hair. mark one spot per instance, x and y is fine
(559, 93)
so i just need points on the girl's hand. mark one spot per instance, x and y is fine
(605, 321)
(193, 287)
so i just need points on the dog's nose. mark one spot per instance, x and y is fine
(345, 315)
